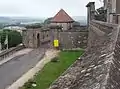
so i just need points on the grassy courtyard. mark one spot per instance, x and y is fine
(53, 70)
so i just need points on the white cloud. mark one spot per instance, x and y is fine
(43, 8)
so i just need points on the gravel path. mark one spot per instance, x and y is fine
(13, 69)
(47, 58)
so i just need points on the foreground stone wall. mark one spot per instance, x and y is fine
(114, 79)
(99, 67)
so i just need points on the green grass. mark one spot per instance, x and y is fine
(53, 70)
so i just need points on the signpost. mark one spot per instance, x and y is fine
(56, 43)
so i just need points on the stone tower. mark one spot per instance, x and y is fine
(62, 19)
(110, 6)
(90, 12)
(113, 11)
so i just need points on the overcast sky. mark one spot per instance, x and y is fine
(43, 8)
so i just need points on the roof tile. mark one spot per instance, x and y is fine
(61, 17)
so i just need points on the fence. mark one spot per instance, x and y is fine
(7, 53)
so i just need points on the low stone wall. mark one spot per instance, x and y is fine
(81, 28)
(99, 67)
(9, 52)
(71, 39)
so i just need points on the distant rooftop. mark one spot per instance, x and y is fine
(62, 17)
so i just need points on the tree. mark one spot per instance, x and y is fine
(36, 25)
(14, 38)
(76, 24)
(48, 20)
(2, 36)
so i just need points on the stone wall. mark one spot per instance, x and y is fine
(6, 53)
(65, 26)
(114, 79)
(99, 67)
(69, 40)
(74, 38)
(33, 38)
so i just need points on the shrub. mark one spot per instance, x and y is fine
(14, 38)
(55, 59)
(28, 84)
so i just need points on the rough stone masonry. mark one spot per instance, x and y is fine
(99, 67)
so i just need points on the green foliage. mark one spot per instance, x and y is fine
(14, 38)
(48, 20)
(74, 50)
(3, 36)
(76, 24)
(55, 59)
(28, 84)
(36, 25)
(101, 14)
(53, 70)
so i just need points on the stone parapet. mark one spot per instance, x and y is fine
(6, 53)
(99, 67)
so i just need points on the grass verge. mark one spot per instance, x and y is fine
(53, 70)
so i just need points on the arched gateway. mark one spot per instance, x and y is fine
(38, 40)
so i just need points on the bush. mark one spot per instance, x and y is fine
(33, 26)
(55, 59)
(14, 38)
(2, 36)
(28, 84)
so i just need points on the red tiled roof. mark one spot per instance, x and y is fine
(61, 17)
